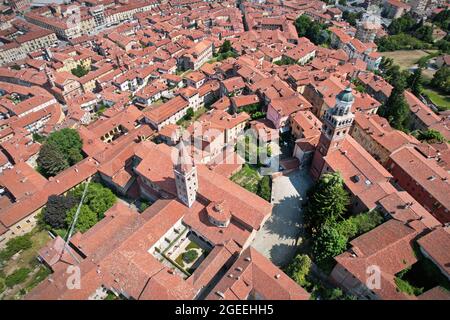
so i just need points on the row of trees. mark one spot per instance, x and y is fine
(406, 24)
(405, 33)
(396, 109)
(60, 150)
(401, 42)
(59, 212)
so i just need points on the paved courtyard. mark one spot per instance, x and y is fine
(277, 239)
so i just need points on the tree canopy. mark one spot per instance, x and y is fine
(54, 213)
(60, 150)
(313, 30)
(299, 269)
(401, 25)
(328, 201)
(401, 41)
(68, 142)
(80, 71)
(441, 79)
(225, 51)
(50, 160)
(86, 218)
(442, 19)
(327, 244)
(351, 17)
(414, 82)
(226, 47)
(396, 109)
(98, 198)
(430, 135)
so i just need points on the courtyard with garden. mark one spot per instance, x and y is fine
(183, 250)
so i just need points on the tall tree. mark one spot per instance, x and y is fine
(396, 109)
(299, 269)
(327, 244)
(441, 79)
(226, 47)
(68, 142)
(302, 25)
(50, 161)
(327, 202)
(55, 211)
(403, 24)
(415, 82)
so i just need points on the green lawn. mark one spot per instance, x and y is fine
(248, 178)
(180, 261)
(440, 100)
(192, 245)
(26, 259)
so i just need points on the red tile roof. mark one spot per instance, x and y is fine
(388, 246)
(436, 244)
(253, 275)
(422, 170)
(353, 161)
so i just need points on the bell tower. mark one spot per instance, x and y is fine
(336, 124)
(185, 176)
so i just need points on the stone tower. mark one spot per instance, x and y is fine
(185, 176)
(337, 122)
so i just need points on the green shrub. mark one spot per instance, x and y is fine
(406, 287)
(299, 269)
(192, 245)
(2, 285)
(400, 41)
(359, 224)
(328, 243)
(258, 115)
(17, 277)
(15, 245)
(190, 256)
(79, 71)
(264, 190)
(143, 206)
